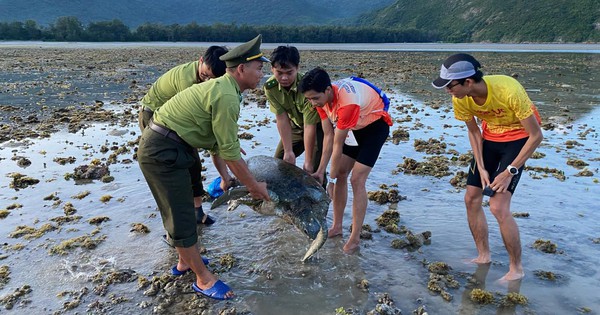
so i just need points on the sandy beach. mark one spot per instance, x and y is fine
(72, 246)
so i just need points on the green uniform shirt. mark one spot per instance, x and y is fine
(170, 83)
(291, 102)
(205, 116)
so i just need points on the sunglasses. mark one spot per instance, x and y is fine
(450, 86)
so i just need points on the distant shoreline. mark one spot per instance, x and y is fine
(451, 47)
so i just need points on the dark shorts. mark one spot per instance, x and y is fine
(370, 140)
(166, 165)
(496, 157)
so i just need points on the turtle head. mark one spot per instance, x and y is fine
(311, 219)
(317, 243)
(312, 227)
(315, 227)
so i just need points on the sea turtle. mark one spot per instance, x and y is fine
(295, 196)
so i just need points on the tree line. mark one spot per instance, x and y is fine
(71, 29)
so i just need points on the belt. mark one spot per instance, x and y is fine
(147, 109)
(166, 132)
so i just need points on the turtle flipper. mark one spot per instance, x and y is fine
(233, 193)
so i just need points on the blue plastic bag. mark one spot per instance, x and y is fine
(214, 189)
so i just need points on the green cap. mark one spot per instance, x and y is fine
(245, 52)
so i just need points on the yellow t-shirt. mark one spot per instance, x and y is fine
(506, 105)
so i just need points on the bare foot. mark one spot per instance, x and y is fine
(482, 259)
(351, 247)
(476, 261)
(182, 267)
(334, 232)
(512, 276)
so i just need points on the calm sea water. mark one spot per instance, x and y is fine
(481, 47)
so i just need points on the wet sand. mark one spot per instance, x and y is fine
(562, 85)
(58, 104)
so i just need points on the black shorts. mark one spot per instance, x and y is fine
(496, 157)
(370, 139)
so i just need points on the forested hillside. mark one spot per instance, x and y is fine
(204, 12)
(495, 20)
(302, 20)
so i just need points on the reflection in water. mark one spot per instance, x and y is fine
(477, 281)
(268, 276)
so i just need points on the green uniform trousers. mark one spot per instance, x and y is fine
(166, 165)
(298, 145)
(195, 171)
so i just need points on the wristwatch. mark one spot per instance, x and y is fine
(512, 170)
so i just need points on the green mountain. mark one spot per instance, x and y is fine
(204, 12)
(443, 20)
(494, 20)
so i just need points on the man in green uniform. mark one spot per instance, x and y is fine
(298, 122)
(174, 81)
(202, 116)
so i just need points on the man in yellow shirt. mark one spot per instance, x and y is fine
(202, 116)
(511, 133)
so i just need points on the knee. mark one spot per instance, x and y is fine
(501, 213)
(343, 174)
(357, 182)
(473, 201)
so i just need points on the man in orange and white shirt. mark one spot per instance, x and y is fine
(355, 125)
(511, 133)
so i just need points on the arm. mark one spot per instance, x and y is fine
(476, 141)
(532, 127)
(285, 132)
(310, 134)
(221, 166)
(310, 118)
(348, 116)
(338, 146)
(258, 190)
(327, 149)
(225, 114)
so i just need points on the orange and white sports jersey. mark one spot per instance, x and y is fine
(355, 105)
(506, 105)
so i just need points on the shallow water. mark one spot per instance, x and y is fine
(268, 277)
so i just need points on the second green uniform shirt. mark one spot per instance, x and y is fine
(291, 102)
(170, 83)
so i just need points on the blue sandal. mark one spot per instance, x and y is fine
(177, 272)
(218, 291)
